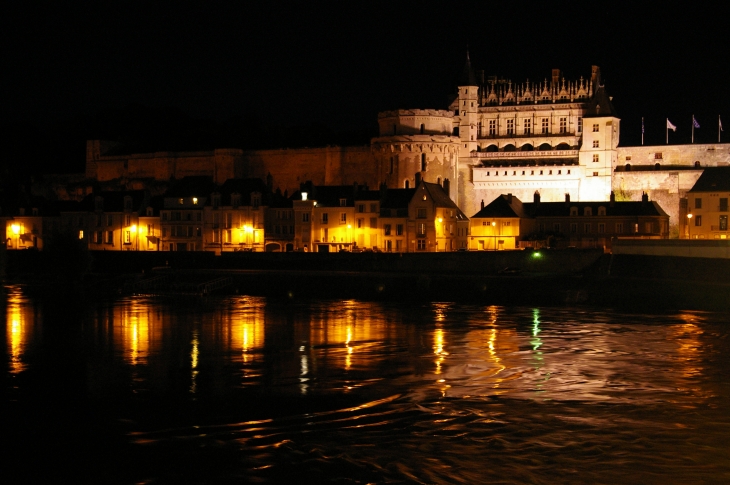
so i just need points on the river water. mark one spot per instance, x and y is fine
(256, 390)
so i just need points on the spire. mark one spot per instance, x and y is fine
(467, 77)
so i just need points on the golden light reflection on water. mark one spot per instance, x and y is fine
(18, 328)
(688, 335)
(133, 330)
(346, 337)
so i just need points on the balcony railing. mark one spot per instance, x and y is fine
(527, 154)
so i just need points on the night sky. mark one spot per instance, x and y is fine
(69, 70)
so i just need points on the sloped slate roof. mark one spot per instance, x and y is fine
(713, 179)
(501, 207)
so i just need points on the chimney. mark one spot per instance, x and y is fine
(482, 203)
(418, 178)
(613, 198)
(556, 77)
(509, 199)
(567, 198)
(644, 197)
(447, 187)
(536, 197)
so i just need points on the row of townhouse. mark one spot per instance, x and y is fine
(509, 223)
(704, 213)
(245, 215)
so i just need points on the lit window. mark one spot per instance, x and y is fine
(595, 143)
(595, 157)
(563, 125)
(527, 126)
(545, 124)
(595, 128)
(510, 127)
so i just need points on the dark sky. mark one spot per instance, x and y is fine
(339, 63)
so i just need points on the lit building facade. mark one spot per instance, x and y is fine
(706, 209)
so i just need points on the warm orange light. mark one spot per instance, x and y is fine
(15, 228)
(689, 216)
(494, 223)
(133, 228)
(440, 219)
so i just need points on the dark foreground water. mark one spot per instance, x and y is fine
(254, 390)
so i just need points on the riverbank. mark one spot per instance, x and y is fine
(540, 278)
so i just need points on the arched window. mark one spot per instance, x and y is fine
(587, 211)
(407, 184)
(509, 148)
(628, 167)
(657, 166)
(563, 146)
(527, 147)
(492, 148)
(697, 164)
(573, 211)
(545, 146)
(601, 211)
(423, 128)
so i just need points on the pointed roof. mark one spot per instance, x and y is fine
(467, 76)
(601, 104)
(713, 179)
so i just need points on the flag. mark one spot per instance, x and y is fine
(719, 122)
(670, 126)
(642, 126)
(694, 122)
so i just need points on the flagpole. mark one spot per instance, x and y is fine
(693, 128)
(666, 128)
(719, 128)
(642, 131)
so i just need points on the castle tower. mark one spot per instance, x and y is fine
(599, 149)
(466, 112)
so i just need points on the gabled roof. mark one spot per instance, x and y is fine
(397, 198)
(502, 206)
(114, 201)
(439, 197)
(200, 186)
(510, 206)
(713, 179)
(243, 187)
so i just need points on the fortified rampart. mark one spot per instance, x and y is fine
(287, 167)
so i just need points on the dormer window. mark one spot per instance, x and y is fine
(343, 202)
(181, 201)
(34, 211)
(127, 203)
(235, 200)
(601, 211)
(587, 211)
(573, 211)
(149, 212)
(215, 200)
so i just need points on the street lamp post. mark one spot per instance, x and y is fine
(689, 226)
(494, 235)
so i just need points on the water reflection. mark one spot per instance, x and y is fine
(19, 328)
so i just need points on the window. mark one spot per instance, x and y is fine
(601, 227)
(325, 218)
(421, 245)
(658, 156)
(423, 162)
(386, 229)
(109, 220)
(109, 237)
(399, 230)
(595, 143)
(545, 124)
(360, 223)
(373, 223)
(343, 218)
(305, 217)
(195, 200)
(527, 126)
(492, 127)
(573, 227)
(595, 128)
(573, 211)
(619, 227)
(81, 234)
(580, 125)
(343, 202)
(595, 174)
(587, 211)
(421, 229)
(556, 227)
(563, 125)
(373, 207)
(128, 203)
(587, 228)
(601, 211)
(421, 213)
(361, 208)
(181, 201)
(698, 203)
(723, 223)
(698, 221)
(596, 158)
(510, 127)
(127, 237)
(391, 165)
(723, 204)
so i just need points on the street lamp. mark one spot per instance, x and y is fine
(133, 229)
(494, 236)
(689, 226)
(16, 230)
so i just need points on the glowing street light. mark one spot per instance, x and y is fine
(689, 226)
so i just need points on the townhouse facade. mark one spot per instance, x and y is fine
(706, 208)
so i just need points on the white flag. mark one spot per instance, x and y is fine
(670, 126)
